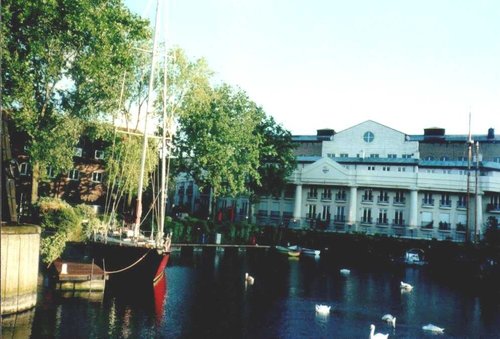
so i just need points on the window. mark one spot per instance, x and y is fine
(77, 152)
(97, 176)
(374, 155)
(386, 168)
(330, 155)
(311, 211)
(398, 218)
(340, 216)
(345, 155)
(50, 172)
(407, 156)
(368, 195)
(313, 193)
(325, 215)
(401, 169)
(399, 198)
(445, 200)
(427, 221)
(327, 194)
(23, 168)
(462, 201)
(371, 168)
(367, 216)
(368, 136)
(445, 158)
(74, 174)
(428, 199)
(382, 217)
(99, 154)
(383, 197)
(392, 156)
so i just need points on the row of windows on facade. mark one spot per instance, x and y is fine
(74, 174)
(383, 196)
(408, 156)
(366, 217)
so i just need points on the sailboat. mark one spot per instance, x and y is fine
(133, 257)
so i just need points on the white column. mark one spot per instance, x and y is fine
(413, 208)
(479, 214)
(353, 205)
(297, 208)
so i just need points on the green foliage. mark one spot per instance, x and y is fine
(492, 233)
(65, 64)
(217, 142)
(60, 223)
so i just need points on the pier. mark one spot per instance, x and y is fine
(74, 276)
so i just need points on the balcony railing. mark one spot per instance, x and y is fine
(444, 226)
(339, 218)
(326, 196)
(367, 198)
(382, 200)
(340, 197)
(399, 201)
(398, 222)
(366, 220)
(445, 203)
(312, 196)
(427, 202)
(461, 204)
(493, 208)
(382, 221)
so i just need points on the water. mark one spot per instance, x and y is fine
(204, 296)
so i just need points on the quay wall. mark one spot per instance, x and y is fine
(20, 253)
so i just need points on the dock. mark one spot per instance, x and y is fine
(76, 276)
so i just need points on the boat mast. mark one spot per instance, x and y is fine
(161, 222)
(476, 236)
(149, 109)
(469, 158)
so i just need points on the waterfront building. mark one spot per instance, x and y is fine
(373, 179)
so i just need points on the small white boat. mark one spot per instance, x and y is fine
(345, 271)
(249, 279)
(305, 251)
(406, 286)
(415, 257)
(433, 328)
(323, 309)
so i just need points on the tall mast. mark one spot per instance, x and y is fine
(161, 223)
(149, 109)
(469, 159)
(476, 194)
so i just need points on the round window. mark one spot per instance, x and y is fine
(368, 136)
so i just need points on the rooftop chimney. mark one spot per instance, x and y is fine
(491, 133)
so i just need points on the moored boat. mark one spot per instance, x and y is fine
(415, 257)
(288, 251)
(306, 251)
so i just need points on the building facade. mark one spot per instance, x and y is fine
(373, 179)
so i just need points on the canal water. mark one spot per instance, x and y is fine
(205, 295)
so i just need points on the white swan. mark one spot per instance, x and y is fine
(406, 286)
(433, 328)
(377, 335)
(323, 309)
(249, 279)
(345, 271)
(390, 319)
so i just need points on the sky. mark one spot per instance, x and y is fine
(410, 64)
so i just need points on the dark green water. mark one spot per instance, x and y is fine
(204, 296)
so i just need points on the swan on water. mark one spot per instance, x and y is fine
(323, 309)
(345, 271)
(406, 286)
(433, 328)
(391, 320)
(376, 335)
(249, 279)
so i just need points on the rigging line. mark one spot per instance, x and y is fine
(130, 266)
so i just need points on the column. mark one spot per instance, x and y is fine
(479, 216)
(353, 205)
(297, 208)
(413, 208)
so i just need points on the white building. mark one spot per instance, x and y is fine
(371, 178)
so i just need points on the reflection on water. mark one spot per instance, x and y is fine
(204, 295)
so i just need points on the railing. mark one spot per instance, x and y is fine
(382, 200)
(339, 218)
(445, 203)
(461, 204)
(493, 208)
(367, 198)
(398, 222)
(340, 197)
(382, 221)
(326, 196)
(312, 196)
(399, 201)
(427, 202)
(444, 226)
(366, 220)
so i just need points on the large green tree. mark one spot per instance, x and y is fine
(276, 158)
(218, 143)
(64, 65)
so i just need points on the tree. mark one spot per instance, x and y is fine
(218, 143)
(65, 66)
(276, 158)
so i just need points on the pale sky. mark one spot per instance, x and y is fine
(408, 64)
